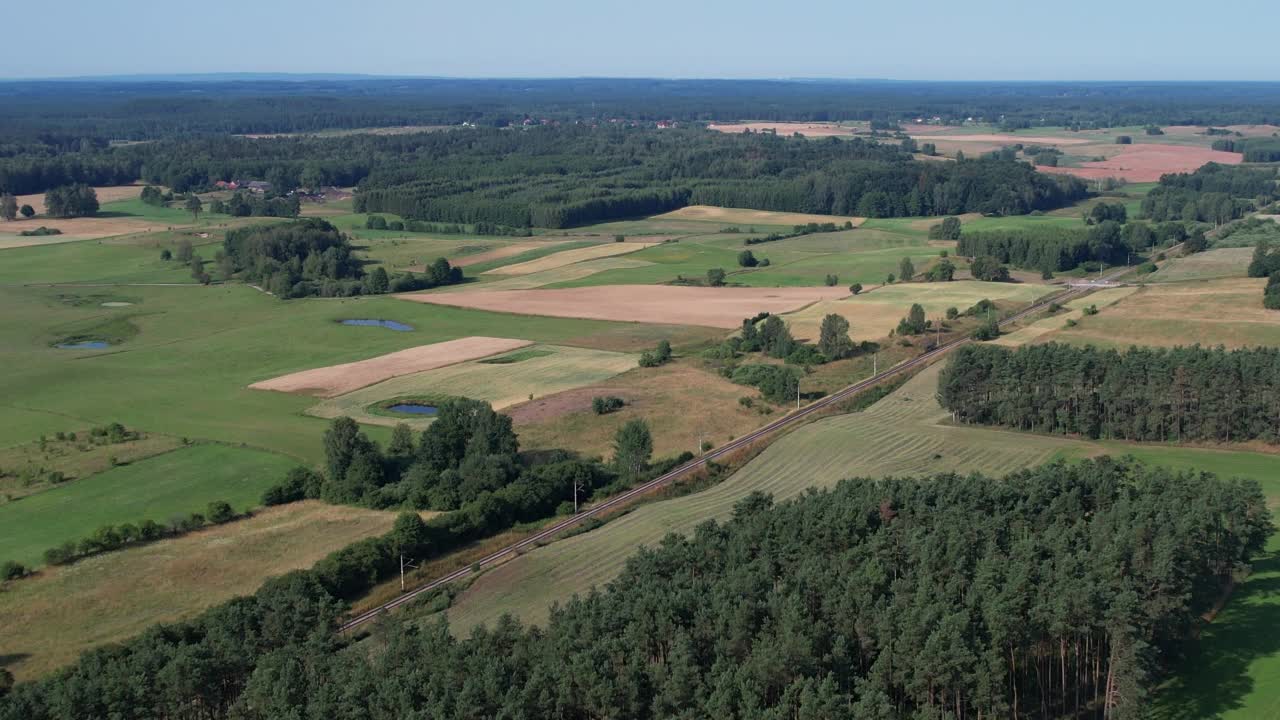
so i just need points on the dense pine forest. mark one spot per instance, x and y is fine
(1060, 591)
(1148, 394)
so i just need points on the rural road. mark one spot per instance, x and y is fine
(744, 441)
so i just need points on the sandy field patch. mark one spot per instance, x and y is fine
(1005, 139)
(759, 217)
(873, 313)
(498, 253)
(500, 384)
(85, 228)
(677, 305)
(818, 129)
(1147, 162)
(569, 257)
(568, 273)
(339, 379)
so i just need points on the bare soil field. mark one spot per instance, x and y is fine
(106, 194)
(818, 129)
(712, 307)
(335, 380)
(758, 217)
(569, 257)
(1147, 162)
(51, 618)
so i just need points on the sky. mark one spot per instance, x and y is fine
(915, 40)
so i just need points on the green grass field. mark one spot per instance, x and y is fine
(1212, 264)
(157, 488)
(93, 261)
(197, 348)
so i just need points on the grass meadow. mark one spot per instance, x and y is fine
(51, 618)
(158, 488)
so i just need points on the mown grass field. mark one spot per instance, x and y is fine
(51, 618)
(1213, 264)
(872, 314)
(24, 468)
(157, 488)
(1227, 312)
(196, 350)
(500, 384)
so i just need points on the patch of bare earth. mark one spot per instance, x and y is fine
(711, 307)
(334, 380)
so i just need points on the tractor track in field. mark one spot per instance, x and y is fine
(661, 481)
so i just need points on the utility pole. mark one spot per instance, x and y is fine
(797, 393)
(875, 358)
(403, 565)
(576, 487)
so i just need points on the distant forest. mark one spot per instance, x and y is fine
(148, 110)
(1062, 591)
(561, 176)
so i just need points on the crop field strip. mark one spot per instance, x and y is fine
(500, 384)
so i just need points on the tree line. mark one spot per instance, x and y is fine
(1144, 394)
(1065, 590)
(1259, 150)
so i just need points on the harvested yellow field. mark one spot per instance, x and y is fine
(334, 380)
(566, 273)
(498, 253)
(1044, 326)
(1213, 312)
(741, 216)
(874, 313)
(569, 257)
(722, 307)
(50, 619)
(536, 372)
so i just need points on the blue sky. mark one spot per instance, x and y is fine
(913, 40)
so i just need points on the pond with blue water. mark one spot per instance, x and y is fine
(389, 324)
(84, 345)
(413, 409)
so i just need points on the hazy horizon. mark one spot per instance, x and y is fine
(714, 39)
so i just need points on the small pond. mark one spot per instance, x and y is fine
(86, 345)
(413, 409)
(389, 324)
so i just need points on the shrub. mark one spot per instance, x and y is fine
(855, 288)
(715, 277)
(219, 511)
(832, 280)
(747, 259)
(13, 570)
(603, 405)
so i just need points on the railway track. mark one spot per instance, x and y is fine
(746, 440)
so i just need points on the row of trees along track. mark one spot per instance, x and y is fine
(619, 501)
